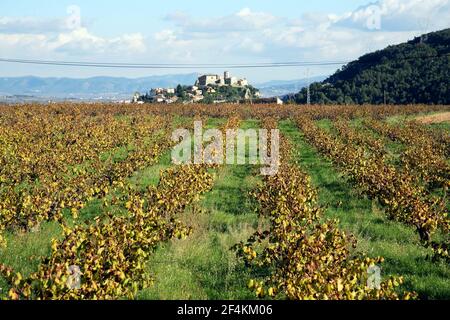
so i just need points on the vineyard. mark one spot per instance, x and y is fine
(89, 193)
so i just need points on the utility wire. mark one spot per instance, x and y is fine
(200, 65)
(169, 66)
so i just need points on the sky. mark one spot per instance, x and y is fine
(232, 32)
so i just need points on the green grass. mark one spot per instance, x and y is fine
(214, 123)
(25, 250)
(203, 266)
(326, 124)
(444, 126)
(376, 235)
(150, 175)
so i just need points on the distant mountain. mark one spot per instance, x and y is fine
(32, 88)
(96, 87)
(414, 72)
(283, 87)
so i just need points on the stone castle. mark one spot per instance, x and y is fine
(217, 80)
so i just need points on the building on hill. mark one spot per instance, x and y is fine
(209, 88)
(217, 80)
(231, 81)
(159, 98)
(160, 91)
(242, 82)
(207, 79)
(136, 97)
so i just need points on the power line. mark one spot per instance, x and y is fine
(171, 66)
(200, 65)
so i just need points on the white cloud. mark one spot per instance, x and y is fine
(133, 41)
(401, 15)
(166, 36)
(74, 42)
(242, 21)
(30, 25)
(247, 35)
(323, 36)
(80, 41)
(252, 45)
(252, 36)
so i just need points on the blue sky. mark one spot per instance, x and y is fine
(136, 15)
(207, 32)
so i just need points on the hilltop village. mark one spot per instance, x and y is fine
(209, 88)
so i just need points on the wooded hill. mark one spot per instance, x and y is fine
(414, 72)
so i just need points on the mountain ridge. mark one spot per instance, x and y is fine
(92, 86)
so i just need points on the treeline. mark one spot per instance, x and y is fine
(230, 94)
(414, 72)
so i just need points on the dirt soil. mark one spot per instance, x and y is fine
(435, 118)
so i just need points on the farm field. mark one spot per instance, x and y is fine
(90, 190)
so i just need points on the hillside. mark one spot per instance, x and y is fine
(414, 72)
